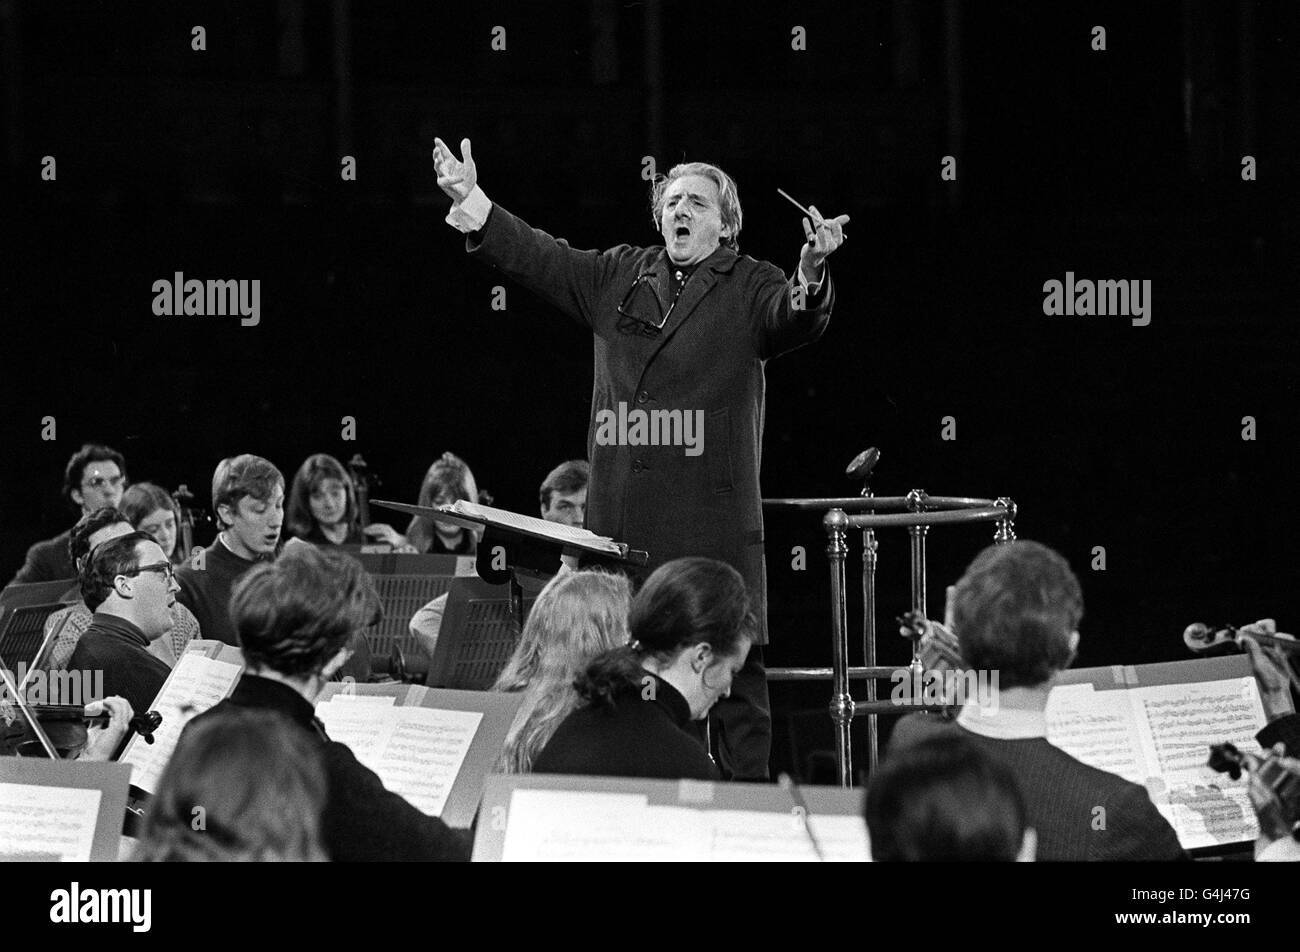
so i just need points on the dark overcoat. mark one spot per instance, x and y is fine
(733, 315)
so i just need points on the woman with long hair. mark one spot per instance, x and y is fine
(240, 787)
(691, 628)
(322, 507)
(577, 616)
(448, 480)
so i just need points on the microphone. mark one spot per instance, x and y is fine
(787, 784)
(863, 464)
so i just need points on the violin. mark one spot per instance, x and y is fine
(933, 646)
(65, 726)
(1205, 639)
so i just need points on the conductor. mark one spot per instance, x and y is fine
(681, 334)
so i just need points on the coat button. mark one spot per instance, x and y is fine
(637, 466)
(642, 397)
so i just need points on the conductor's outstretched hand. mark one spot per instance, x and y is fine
(455, 177)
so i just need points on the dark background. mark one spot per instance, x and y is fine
(1116, 164)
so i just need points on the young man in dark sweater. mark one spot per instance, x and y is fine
(128, 584)
(248, 499)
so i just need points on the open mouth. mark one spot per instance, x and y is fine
(681, 231)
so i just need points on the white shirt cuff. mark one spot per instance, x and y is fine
(471, 212)
(812, 287)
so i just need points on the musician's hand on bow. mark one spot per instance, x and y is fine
(456, 177)
(1271, 668)
(103, 742)
(823, 236)
(1272, 821)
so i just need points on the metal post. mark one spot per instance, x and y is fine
(841, 706)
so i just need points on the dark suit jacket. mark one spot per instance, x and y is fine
(636, 736)
(1062, 795)
(47, 561)
(734, 314)
(363, 821)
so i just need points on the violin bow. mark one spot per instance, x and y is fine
(32, 722)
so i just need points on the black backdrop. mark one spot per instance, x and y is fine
(1122, 163)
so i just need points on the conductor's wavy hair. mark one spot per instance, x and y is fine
(683, 603)
(294, 614)
(1014, 612)
(258, 787)
(728, 196)
(576, 618)
(314, 471)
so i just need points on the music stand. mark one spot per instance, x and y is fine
(478, 635)
(22, 635)
(515, 545)
(64, 590)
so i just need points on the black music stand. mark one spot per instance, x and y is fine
(515, 545)
(65, 590)
(478, 634)
(22, 634)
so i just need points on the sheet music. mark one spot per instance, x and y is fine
(416, 751)
(1098, 728)
(565, 825)
(573, 826)
(37, 820)
(551, 530)
(1181, 722)
(195, 684)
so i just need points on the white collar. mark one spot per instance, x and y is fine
(1004, 723)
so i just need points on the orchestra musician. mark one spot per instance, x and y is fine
(248, 500)
(129, 584)
(1016, 611)
(294, 618)
(93, 479)
(691, 628)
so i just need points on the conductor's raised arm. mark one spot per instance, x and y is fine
(569, 279)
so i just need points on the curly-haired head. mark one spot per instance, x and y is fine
(294, 614)
(1015, 611)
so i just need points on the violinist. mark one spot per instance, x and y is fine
(71, 623)
(94, 732)
(128, 583)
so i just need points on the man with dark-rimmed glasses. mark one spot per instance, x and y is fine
(94, 478)
(129, 585)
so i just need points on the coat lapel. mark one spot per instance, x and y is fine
(699, 285)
